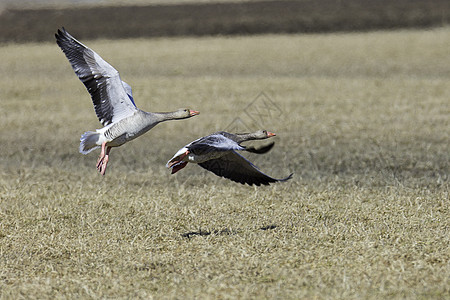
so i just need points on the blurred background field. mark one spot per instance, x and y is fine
(24, 21)
(362, 120)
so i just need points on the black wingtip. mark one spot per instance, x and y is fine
(266, 181)
(60, 33)
(287, 178)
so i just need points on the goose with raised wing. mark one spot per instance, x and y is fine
(113, 101)
(217, 153)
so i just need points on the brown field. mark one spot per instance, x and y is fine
(362, 120)
(216, 18)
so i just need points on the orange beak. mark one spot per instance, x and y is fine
(270, 134)
(194, 112)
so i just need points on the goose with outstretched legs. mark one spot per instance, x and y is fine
(113, 101)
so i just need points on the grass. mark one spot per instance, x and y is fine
(362, 120)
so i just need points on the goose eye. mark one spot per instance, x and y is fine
(265, 131)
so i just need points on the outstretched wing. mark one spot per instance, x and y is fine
(111, 96)
(213, 142)
(236, 168)
(129, 91)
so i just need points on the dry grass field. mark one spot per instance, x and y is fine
(363, 121)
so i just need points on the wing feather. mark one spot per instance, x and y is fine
(129, 91)
(211, 143)
(111, 96)
(235, 167)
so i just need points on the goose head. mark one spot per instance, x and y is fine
(263, 134)
(184, 113)
(257, 135)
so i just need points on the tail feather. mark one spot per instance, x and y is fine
(88, 142)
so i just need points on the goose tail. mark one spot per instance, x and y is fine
(88, 142)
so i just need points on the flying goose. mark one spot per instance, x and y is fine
(217, 153)
(113, 101)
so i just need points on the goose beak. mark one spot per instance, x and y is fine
(270, 134)
(194, 112)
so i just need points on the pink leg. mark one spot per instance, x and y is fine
(105, 161)
(178, 159)
(179, 166)
(101, 157)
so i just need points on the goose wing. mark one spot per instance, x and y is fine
(129, 92)
(213, 142)
(260, 150)
(236, 168)
(112, 97)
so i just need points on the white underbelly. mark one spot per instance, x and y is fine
(124, 131)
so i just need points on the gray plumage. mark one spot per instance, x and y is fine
(217, 153)
(112, 99)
